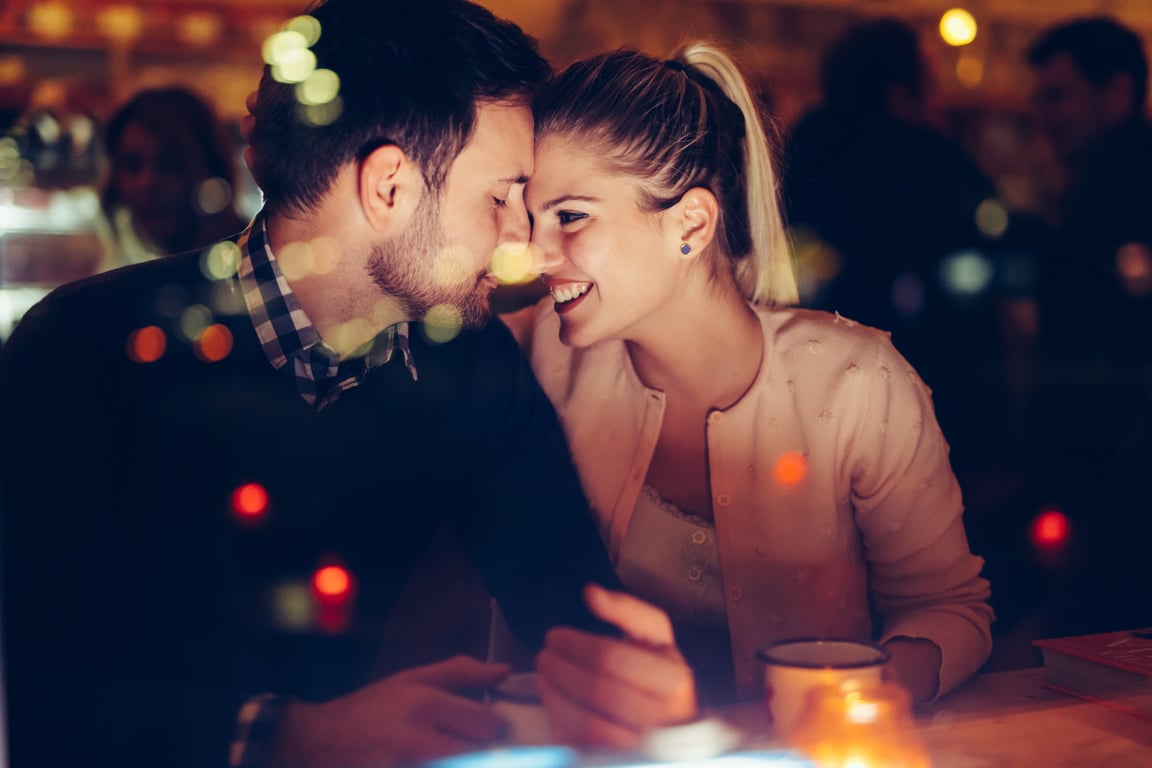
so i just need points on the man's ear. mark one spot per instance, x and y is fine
(391, 186)
(694, 221)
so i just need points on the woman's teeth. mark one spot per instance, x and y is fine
(569, 291)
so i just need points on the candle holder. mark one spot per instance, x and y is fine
(859, 725)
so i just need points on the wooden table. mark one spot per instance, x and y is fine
(1009, 720)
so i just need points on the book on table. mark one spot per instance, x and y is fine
(1113, 668)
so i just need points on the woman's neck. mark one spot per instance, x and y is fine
(706, 355)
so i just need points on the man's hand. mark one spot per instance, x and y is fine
(412, 716)
(603, 692)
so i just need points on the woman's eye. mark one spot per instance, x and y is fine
(499, 203)
(567, 217)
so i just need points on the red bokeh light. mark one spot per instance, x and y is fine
(1051, 530)
(332, 583)
(250, 501)
(791, 467)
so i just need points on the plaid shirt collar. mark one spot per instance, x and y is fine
(288, 337)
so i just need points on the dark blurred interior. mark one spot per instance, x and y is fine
(1034, 435)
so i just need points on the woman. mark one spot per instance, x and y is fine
(171, 177)
(758, 472)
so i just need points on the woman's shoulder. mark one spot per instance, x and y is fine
(815, 331)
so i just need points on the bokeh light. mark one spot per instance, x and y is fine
(193, 320)
(214, 343)
(199, 28)
(321, 114)
(293, 606)
(213, 195)
(442, 323)
(250, 502)
(791, 467)
(51, 20)
(957, 27)
(967, 273)
(296, 259)
(295, 66)
(320, 87)
(305, 26)
(1134, 265)
(992, 218)
(221, 261)
(1050, 530)
(332, 583)
(277, 48)
(122, 23)
(514, 263)
(147, 344)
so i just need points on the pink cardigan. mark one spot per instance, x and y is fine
(877, 507)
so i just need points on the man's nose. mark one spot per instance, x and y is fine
(515, 227)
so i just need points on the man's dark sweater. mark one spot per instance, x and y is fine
(136, 604)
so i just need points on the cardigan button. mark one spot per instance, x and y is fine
(722, 499)
(735, 594)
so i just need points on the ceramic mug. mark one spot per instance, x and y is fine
(793, 668)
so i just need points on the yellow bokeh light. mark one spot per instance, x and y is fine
(305, 26)
(452, 266)
(387, 311)
(194, 320)
(442, 323)
(514, 263)
(348, 336)
(970, 70)
(320, 87)
(213, 195)
(280, 45)
(221, 261)
(199, 28)
(53, 20)
(297, 65)
(957, 27)
(296, 260)
(992, 218)
(121, 22)
(325, 254)
(322, 114)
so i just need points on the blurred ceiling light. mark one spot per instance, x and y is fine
(199, 28)
(122, 23)
(52, 20)
(957, 27)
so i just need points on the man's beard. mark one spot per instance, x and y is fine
(417, 269)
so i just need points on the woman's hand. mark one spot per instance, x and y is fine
(606, 692)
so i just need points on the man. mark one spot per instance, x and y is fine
(1095, 299)
(180, 436)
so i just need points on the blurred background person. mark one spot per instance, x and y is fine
(888, 203)
(1089, 92)
(171, 177)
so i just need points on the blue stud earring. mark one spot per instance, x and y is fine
(685, 248)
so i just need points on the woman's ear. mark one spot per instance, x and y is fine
(390, 189)
(694, 221)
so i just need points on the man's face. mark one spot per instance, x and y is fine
(444, 256)
(1072, 111)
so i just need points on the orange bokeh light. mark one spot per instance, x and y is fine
(1051, 530)
(250, 501)
(332, 582)
(214, 343)
(791, 467)
(147, 344)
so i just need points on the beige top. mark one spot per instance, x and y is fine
(876, 506)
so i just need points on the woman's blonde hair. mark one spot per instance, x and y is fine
(690, 121)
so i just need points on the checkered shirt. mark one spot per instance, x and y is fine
(291, 342)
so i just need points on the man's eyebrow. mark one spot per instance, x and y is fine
(565, 198)
(521, 179)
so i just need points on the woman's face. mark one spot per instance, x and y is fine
(154, 181)
(612, 268)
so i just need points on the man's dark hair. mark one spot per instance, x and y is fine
(411, 74)
(860, 68)
(1102, 48)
